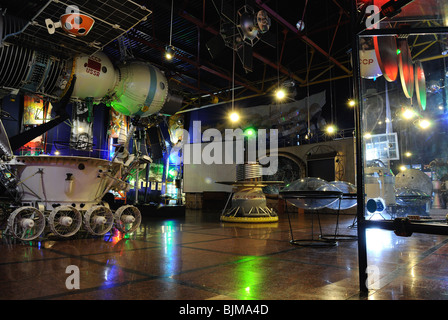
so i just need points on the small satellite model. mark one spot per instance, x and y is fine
(241, 30)
(72, 22)
(252, 26)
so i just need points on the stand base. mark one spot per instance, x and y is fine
(249, 219)
(339, 237)
(314, 243)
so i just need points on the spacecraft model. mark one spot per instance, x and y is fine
(73, 22)
(248, 201)
(240, 30)
(60, 194)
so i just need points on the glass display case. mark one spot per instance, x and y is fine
(401, 86)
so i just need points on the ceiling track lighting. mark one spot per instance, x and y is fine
(169, 52)
(169, 49)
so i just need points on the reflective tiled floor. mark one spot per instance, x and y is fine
(200, 258)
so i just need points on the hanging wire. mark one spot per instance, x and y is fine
(331, 76)
(171, 27)
(278, 59)
(307, 85)
(233, 81)
(304, 10)
(233, 68)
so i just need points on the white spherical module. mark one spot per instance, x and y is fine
(141, 91)
(95, 76)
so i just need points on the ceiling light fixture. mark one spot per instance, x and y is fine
(280, 94)
(169, 49)
(234, 117)
(331, 129)
(424, 124)
(169, 52)
(408, 113)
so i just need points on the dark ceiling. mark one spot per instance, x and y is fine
(314, 59)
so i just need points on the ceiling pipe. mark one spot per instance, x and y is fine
(303, 37)
(194, 63)
(256, 55)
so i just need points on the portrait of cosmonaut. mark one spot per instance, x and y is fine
(81, 135)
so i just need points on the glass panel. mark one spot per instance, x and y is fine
(404, 121)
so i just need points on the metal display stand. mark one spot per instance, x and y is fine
(251, 206)
(321, 241)
(337, 235)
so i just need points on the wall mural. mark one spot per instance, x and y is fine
(35, 112)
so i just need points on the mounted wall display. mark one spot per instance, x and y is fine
(117, 123)
(35, 110)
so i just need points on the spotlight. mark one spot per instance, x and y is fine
(408, 154)
(403, 168)
(249, 132)
(351, 103)
(331, 129)
(169, 52)
(234, 117)
(408, 113)
(280, 94)
(424, 124)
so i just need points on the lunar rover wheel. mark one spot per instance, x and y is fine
(26, 223)
(98, 220)
(65, 221)
(127, 218)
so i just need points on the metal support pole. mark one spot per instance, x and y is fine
(362, 248)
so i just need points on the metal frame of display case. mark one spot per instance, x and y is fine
(400, 226)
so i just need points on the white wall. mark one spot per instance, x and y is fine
(202, 177)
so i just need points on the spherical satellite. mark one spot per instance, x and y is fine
(141, 91)
(414, 179)
(263, 21)
(95, 76)
(248, 26)
(300, 25)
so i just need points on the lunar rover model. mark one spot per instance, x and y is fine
(59, 195)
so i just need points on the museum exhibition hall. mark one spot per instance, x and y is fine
(210, 152)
